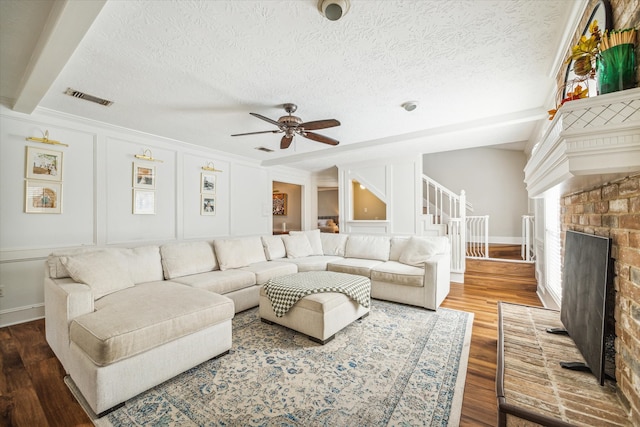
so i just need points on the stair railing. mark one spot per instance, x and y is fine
(446, 207)
(477, 236)
(527, 251)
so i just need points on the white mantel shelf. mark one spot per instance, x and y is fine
(589, 142)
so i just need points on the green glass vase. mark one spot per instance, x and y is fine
(617, 69)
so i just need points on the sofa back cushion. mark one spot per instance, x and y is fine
(145, 264)
(104, 271)
(182, 259)
(397, 246)
(368, 247)
(297, 245)
(314, 240)
(273, 247)
(333, 244)
(236, 253)
(420, 249)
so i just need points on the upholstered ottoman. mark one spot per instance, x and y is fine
(321, 302)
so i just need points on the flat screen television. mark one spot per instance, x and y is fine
(588, 299)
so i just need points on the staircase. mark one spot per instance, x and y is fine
(504, 268)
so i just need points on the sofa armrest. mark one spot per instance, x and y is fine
(437, 280)
(64, 300)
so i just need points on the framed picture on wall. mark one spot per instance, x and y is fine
(144, 176)
(280, 204)
(144, 202)
(42, 197)
(44, 164)
(207, 204)
(207, 183)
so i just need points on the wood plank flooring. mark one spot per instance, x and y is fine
(32, 392)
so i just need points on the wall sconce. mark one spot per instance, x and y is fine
(146, 155)
(210, 168)
(45, 140)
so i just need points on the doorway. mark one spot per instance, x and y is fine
(287, 207)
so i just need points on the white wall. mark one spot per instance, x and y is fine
(494, 183)
(97, 198)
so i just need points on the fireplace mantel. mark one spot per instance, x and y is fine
(589, 142)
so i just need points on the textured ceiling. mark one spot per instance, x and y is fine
(482, 72)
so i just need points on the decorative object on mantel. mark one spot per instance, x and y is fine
(583, 57)
(617, 61)
(45, 140)
(578, 93)
(210, 168)
(146, 155)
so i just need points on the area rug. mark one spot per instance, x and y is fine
(401, 365)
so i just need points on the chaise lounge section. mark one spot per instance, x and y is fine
(123, 320)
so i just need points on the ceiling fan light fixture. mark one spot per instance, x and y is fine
(410, 105)
(333, 9)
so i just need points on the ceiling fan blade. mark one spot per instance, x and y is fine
(285, 142)
(255, 133)
(266, 119)
(320, 138)
(319, 124)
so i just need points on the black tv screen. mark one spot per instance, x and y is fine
(587, 300)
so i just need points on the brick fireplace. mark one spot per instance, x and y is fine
(613, 210)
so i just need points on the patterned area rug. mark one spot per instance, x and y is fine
(401, 365)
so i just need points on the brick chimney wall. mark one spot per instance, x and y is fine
(613, 210)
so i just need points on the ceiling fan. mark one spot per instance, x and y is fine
(292, 125)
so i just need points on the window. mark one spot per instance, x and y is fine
(553, 244)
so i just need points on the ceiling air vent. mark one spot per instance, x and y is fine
(265, 149)
(87, 97)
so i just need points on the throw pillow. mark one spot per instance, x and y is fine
(103, 271)
(314, 240)
(297, 245)
(420, 249)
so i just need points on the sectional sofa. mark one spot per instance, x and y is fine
(122, 320)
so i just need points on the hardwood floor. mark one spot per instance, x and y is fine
(32, 392)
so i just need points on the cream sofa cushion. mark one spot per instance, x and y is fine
(54, 263)
(420, 249)
(333, 244)
(314, 240)
(273, 247)
(104, 272)
(297, 246)
(266, 270)
(218, 281)
(398, 244)
(398, 274)
(182, 259)
(145, 263)
(313, 262)
(236, 253)
(160, 312)
(361, 267)
(367, 247)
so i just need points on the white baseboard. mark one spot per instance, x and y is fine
(17, 315)
(457, 277)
